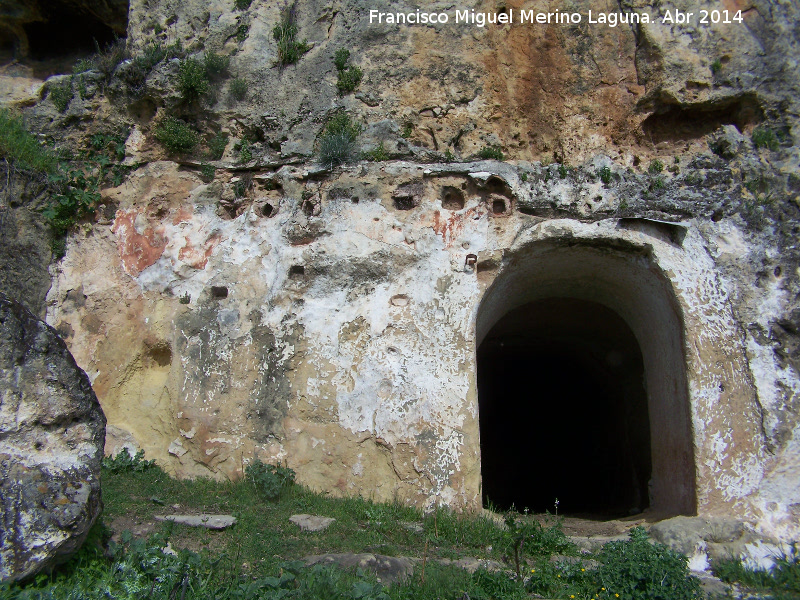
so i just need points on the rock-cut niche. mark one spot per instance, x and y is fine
(582, 389)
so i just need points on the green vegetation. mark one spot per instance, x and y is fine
(563, 171)
(604, 173)
(285, 33)
(245, 151)
(349, 76)
(61, 94)
(765, 137)
(716, 66)
(176, 136)
(408, 130)
(193, 80)
(242, 30)
(207, 173)
(491, 152)
(238, 89)
(216, 65)
(377, 154)
(259, 558)
(656, 167)
(217, 145)
(782, 582)
(242, 4)
(337, 144)
(21, 149)
(657, 183)
(449, 156)
(124, 462)
(269, 480)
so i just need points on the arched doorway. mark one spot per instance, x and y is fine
(582, 387)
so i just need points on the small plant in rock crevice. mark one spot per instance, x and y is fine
(764, 137)
(491, 153)
(290, 49)
(238, 89)
(176, 136)
(62, 94)
(337, 144)
(349, 76)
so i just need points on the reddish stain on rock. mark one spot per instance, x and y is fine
(197, 257)
(137, 250)
(450, 227)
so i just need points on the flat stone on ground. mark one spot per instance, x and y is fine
(387, 569)
(311, 522)
(202, 520)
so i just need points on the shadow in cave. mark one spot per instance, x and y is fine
(563, 411)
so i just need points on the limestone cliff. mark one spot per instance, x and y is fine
(232, 298)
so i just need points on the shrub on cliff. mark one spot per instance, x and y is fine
(337, 144)
(176, 136)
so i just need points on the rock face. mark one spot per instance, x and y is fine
(51, 441)
(333, 320)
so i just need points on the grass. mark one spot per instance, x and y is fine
(21, 148)
(290, 49)
(764, 137)
(781, 583)
(491, 152)
(193, 80)
(337, 144)
(259, 558)
(238, 89)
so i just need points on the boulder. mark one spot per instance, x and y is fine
(51, 446)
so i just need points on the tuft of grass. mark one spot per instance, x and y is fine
(176, 136)
(782, 581)
(242, 4)
(61, 94)
(21, 148)
(764, 137)
(716, 66)
(337, 144)
(216, 65)
(604, 174)
(192, 80)
(563, 171)
(491, 152)
(207, 173)
(238, 89)
(290, 49)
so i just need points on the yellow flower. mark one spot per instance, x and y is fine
(603, 589)
(572, 595)
(616, 595)
(582, 570)
(559, 575)
(533, 570)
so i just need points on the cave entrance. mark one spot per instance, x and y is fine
(582, 389)
(571, 373)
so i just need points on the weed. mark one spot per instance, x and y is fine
(216, 65)
(125, 462)
(340, 58)
(21, 148)
(176, 136)
(241, 32)
(217, 145)
(186, 298)
(238, 89)
(782, 581)
(285, 33)
(245, 151)
(605, 174)
(639, 570)
(449, 156)
(491, 152)
(207, 172)
(83, 66)
(408, 130)
(349, 79)
(764, 137)
(377, 154)
(192, 80)
(623, 206)
(242, 4)
(108, 58)
(83, 93)
(349, 76)
(337, 142)
(716, 66)
(657, 183)
(270, 480)
(530, 537)
(524, 177)
(563, 171)
(656, 167)
(62, 94)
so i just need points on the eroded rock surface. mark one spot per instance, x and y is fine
(51, 446)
